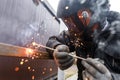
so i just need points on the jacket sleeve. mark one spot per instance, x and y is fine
(109, 45)
(115, 76)
(54, 41)
(109, 40)
(113, 16)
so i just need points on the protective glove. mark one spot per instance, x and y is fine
(95, 70)
(62, 58)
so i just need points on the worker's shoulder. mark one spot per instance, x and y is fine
(113, 16)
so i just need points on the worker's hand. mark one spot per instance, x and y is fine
(62, 58)
(95, 70)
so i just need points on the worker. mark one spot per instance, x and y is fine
(93, 33)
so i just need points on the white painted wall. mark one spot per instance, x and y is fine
(115, 5)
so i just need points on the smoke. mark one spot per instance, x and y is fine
(25, 34)
(109, 41)
(17, 33)
(100, 9)
(82, 1)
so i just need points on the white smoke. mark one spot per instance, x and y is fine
(82, 1)
(99, 10)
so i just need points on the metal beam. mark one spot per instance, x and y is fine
(11, 50)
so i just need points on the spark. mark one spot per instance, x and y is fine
(21, 63)
(36, 56)
(65, 20)
(82, 44)
(43, 72)
(29, 52)
(45, 69)
(32, 38)
(33, 57)
(29, 68)
(75, 34)
(22, 59)
(38, 34)
(33, 77)
(17, 69)
(40, 54)
(66, 7)
(33, 70)
(34, 43)
(80, 17)
(26, 60)
(51, 69)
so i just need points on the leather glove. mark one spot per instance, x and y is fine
(62, 58)
(95, 70)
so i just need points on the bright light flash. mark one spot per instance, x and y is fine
(34, 43)
(66, 7)
(29, 52)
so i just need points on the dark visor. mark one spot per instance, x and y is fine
(80, 22)
(73, 24)
(77, 22)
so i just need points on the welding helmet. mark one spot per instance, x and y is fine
(83, 15)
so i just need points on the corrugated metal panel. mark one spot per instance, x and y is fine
(21, 22)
